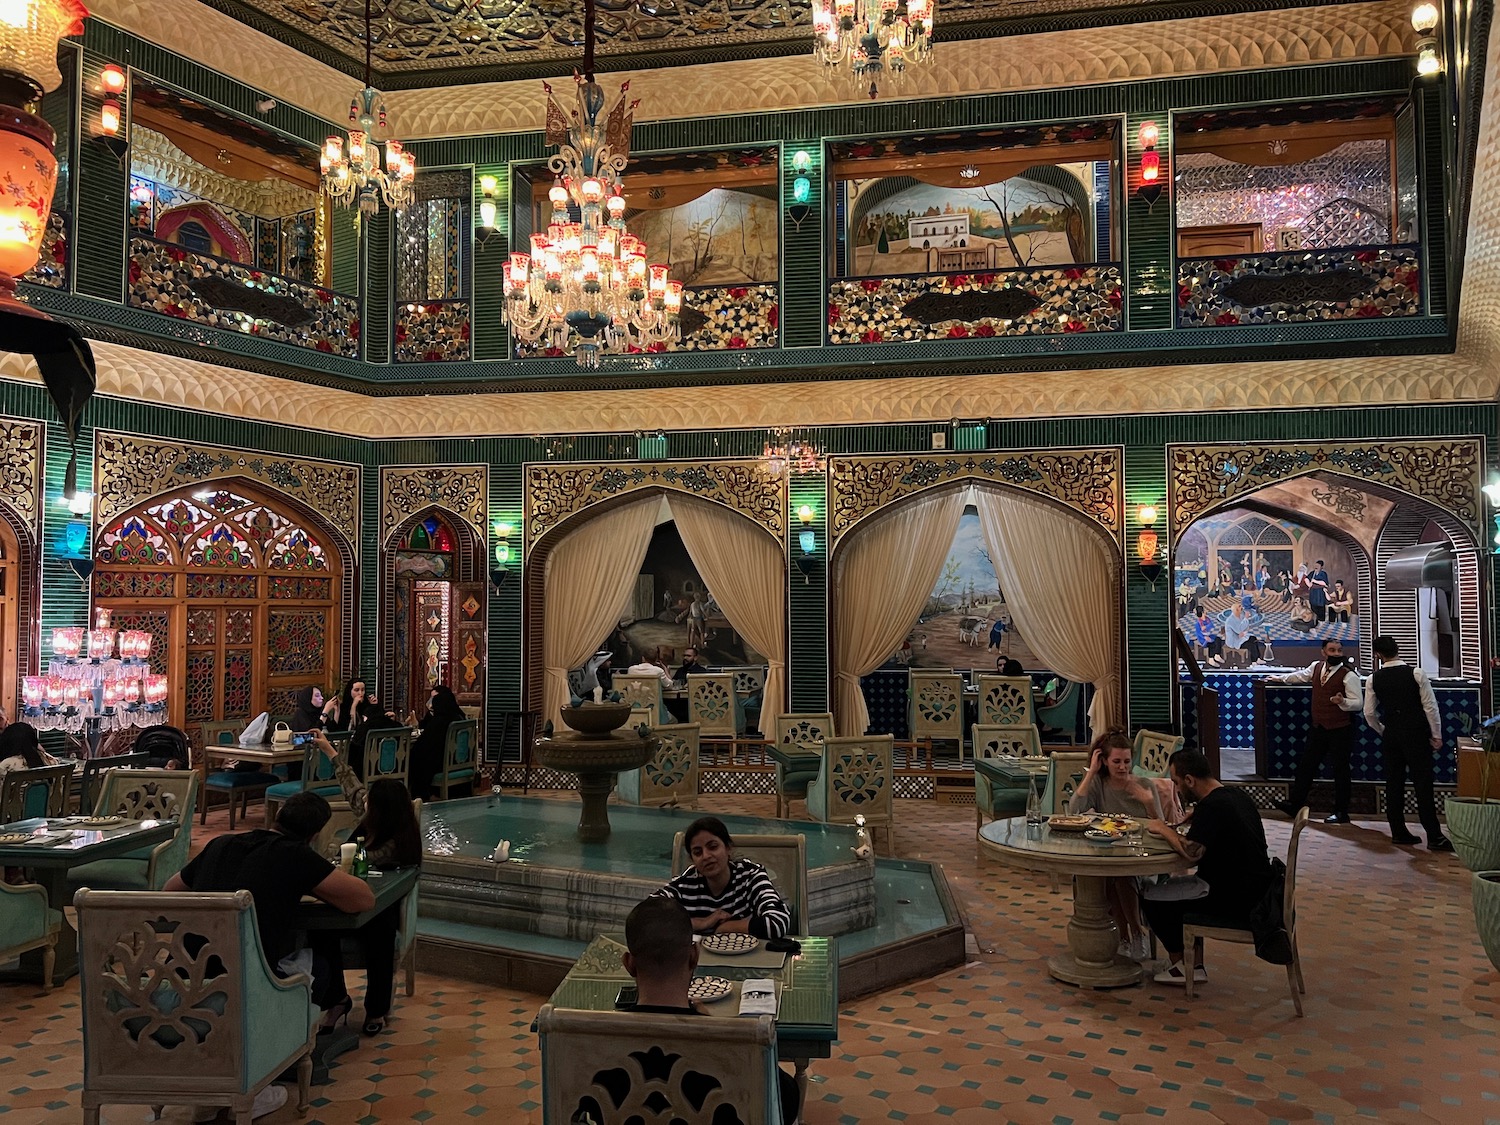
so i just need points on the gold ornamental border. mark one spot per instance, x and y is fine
(406, 490)
(1447, 473)
(21, 469)
(1089, 481)
(556, 492)
(129, 470)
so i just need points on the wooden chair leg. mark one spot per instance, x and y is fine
(1297, 964)
(1189, 959)
(304, 1081)
(411, 970)
(49, 963)
(1291, 980)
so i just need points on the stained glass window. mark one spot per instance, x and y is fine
(430, 534)
(215, 529)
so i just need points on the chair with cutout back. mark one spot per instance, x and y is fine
(388, 754)
(856, 780)
(712, 705)
(143, 795)
(671, 776)
(180, 1006)
(991, 741)
(1065, 770)
(318, 776)
(27, 923)
(1152, 751)
(783, 855)
(1196, 927)
(91, 776)
(935, 711)
(28, 793)
(807, 730)
(643, 693)
(611, 1068)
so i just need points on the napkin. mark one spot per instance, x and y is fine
(758, 997)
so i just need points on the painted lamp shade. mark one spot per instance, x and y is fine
(28, 173)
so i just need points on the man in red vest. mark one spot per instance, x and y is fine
(1336, 696)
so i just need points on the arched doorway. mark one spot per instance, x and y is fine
(436, 615)
(242, 592)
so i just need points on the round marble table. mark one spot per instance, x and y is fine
(1091, 960)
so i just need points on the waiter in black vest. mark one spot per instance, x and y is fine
(1336, 697)
(1411, 732)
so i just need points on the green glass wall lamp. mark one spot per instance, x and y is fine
(807, 542)
(501, 570)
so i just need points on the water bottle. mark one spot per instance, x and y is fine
(361, 864)
(1033, 806)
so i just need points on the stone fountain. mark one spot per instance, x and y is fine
(595, 749)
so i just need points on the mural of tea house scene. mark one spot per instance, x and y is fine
(1001, 232)
(226, 225)
(713, 219)
(1297, 213)
(1295, 584)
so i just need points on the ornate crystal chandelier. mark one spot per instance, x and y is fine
(98, 680)
(588, 278)
(878, 37)
(356, 176)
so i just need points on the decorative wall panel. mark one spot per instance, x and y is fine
(20, 469)
(1090, 481)
(1342, 284)
(555, 492)
(129, 469)
(407, 490)
(1448, 474)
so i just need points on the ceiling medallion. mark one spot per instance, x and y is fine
(356, 177)
(588, 280)
(877, 37)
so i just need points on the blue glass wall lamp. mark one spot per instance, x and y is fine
(807, 541)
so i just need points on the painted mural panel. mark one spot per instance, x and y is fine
(723, 237)
(1298, 585)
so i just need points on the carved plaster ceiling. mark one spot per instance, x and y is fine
(423, 42)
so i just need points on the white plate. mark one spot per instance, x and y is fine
(15, 837)
(102, 822)
(730, 945)
(705, 990)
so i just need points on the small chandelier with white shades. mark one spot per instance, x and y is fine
(879, 39)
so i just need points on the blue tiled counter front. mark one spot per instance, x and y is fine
(1287, 718)
(1236, 707)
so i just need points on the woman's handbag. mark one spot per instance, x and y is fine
(281, 738)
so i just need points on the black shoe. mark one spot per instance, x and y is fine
(1287, 808)
(1336, 818)
(1405, 838)
(1439, 844)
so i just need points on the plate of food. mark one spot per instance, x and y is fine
(1103, 836)
(1116, 824)
(102, 822)
(1070, 822)
(705, 990)
(729, 945)
(15, 837)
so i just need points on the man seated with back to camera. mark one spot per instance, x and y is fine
(1228, 843)
(661, 955)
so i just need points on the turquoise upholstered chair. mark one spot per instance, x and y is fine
(1005, 701)
(27, 923)
(994, 741)
(793, 729)
(143, 795)
(239, 786)
(617, 1067)
(643, 693)
(935, 710)
(38, 792)
(1153, 750)
(180, 1007)
(671, 776)
(459, 753)
(856, 779)
(317, 776)
(1065, 770)
(388, 754)
(1063, 714)
(91, 776)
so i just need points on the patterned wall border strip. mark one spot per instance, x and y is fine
(21, 469)
(1090, 481)
(557, 492)
(1448, 473)
(130, 469)
(406, 490)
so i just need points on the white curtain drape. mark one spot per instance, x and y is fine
(746, 570)
(1060, 583)
(882, 579)
(590, 574)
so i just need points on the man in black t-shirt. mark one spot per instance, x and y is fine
(661, 955)
(1228, 842)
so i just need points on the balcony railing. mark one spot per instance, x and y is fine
(1032, 300)
(218, 293)
(1346, 283)
(432, 331)
(715, 318)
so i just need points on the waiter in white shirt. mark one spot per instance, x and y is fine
(1411, 731)
(1336, 696)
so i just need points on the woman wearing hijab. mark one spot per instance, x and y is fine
(307, 712)
(427, 751)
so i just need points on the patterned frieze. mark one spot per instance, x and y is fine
(555, 492)
(1306, 285)
(406, 490)
(128, 470)
(1448, 473)
(1090, 481)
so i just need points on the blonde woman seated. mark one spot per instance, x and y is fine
(1110, 787)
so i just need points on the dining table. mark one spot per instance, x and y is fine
(265, 754)
(55, 844)
(1091, 959)
(807, 984)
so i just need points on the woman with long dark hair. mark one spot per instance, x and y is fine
(427, 751)
(391, 837)
(339, 712)
(21, 749)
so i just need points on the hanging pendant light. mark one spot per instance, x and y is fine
(585, 284)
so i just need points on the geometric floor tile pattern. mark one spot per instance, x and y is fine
(1401, 1022)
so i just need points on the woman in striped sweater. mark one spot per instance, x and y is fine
(723, 894)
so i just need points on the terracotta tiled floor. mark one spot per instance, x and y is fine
(1400, 1025)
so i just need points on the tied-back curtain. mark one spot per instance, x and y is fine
(883, 578)
(590, 575)
(1060, 585)
(746, 570)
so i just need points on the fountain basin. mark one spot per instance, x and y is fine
(595, 759)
